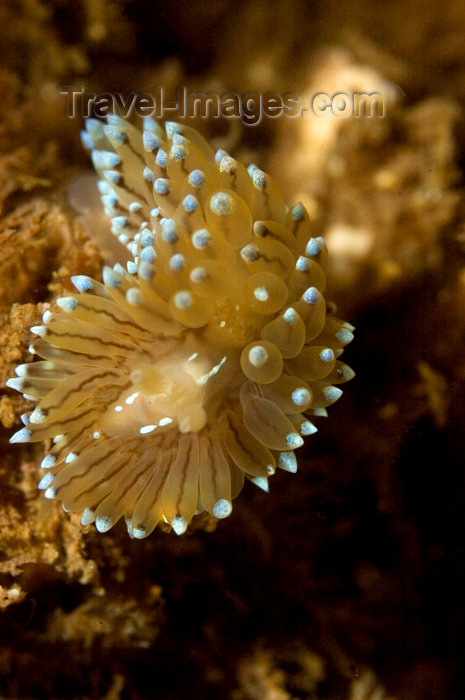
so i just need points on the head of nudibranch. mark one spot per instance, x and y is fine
(201, 363)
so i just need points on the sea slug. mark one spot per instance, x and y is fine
(201, 363)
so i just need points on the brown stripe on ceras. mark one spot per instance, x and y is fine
(51, 374)
(164, 314)
(137, 475)
(262, 256)
(77, 355)
(32, 383)
(267, 200)
(160, 487)
(124, 140)
(106, 478)
(297, 223)
(239, 442)
(63, 421)
(110, 372)
(121, 184)
(122, 389)
(91, 466)
(127, 142)
(88, 426)
(267, 233)
(183, 475)
(69, 446)
(74, 418)
(86, 337)
(120, 206)
(165, 476)
(211, 456)
(183, 166)
(81, 302)
(232, 172)
(261, 414)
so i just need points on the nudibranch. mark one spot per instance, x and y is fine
(200, 363)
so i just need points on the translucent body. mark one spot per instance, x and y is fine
(203, 361)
